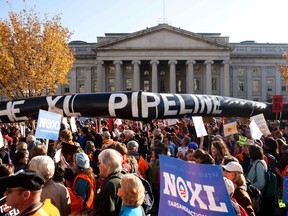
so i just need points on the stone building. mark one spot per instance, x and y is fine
(166, 59)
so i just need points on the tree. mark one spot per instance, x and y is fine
(34, 55)
(284, 69)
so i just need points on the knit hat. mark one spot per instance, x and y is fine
(193, 145)
(82, 160)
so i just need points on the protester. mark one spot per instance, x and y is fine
(57, 192)
(234, 172)
(21, 159)
(131, 191)
(23, 192)
(218, 151)
(107, 202)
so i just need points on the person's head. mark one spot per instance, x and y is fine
(89, 147)
(106, 135)
(21, 146)
(21, 157)
(82, 161)
(128, 134)
(234, 172)
(256, 152)
(22, 189)
(118, 146)
(185, 141)
(6, 170)
(37, 150)
(219, 149)
(271, 146)
(189, 155)
(109, 161)
(202, 157)
(44, 165)
(132, 146)
(66, 136)
(131, 190)
(247, 143)
(30, 138)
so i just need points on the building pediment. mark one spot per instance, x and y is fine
(163, 37)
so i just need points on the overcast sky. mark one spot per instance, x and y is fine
(260, 20)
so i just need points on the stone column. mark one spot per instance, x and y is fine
(263, 85)
(235, 82)
(73, 81)
(249, 83)
(88, 79)
(278, 82)
(154, 64)
(118, 75)
(190, 76)
(136, 74)
(208, 89)
(226, 78)
(100, 76)
(172, 76)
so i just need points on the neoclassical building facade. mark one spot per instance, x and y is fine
(166, 59)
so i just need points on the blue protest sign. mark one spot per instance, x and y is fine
(285, 190)
(48, 125)
(192, 189)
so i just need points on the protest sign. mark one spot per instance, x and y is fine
(192, 189)
(73, 124)
(285, 190)
(1, 140)
(171, 122)
(277, 103)
(48, 125)
(261, 123)
(242, 140)
(230, 129)
(255, 131)
(199, 126)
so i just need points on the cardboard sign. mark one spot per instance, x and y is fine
(48, 125)
(199, 126)
(255, 131)
(261, 123)
(242, 140)
(277, 105)
(230, 129)
(192, 189)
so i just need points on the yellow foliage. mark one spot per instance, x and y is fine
(284, 69)
(34, 55)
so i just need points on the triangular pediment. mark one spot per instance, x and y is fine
(163, 37)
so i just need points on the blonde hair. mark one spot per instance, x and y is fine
(21, 145)
(133, 190)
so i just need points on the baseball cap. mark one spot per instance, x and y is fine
(193, 145)
(233, 166)
(82, 160)
(249, 142)
(27, 179)
(106, 134)
(131, 144)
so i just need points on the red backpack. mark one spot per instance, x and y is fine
(76, 202)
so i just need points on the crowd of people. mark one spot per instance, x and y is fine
(97, 169)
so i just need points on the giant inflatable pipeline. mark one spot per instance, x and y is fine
(139, 105)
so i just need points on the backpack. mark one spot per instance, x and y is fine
(270, 179)
(255, 196)
(148, 197)
(243, 212)
(76, 201)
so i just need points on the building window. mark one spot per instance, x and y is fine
(81, 86)
(128, 69)
(214, 84)
(162, 73)
(146, 72)
(111, 69)
(269, 71)
(129, 84)
(179, 86)
(111, 84)
(256, 71)
(94, 86)
(241, 85)
(283, 88)
(269, 85)
(196, 84)
(162, 85)
(80, 71)
(66, 88)
(241, 72)
(94, 72)
(146, 85)
(255, 84)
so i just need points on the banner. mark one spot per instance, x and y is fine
(48, 125)
(277, 105)
(285, 190)
(230, 129)
(192, 189)
(143, 106)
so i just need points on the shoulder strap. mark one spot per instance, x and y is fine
(256, 168)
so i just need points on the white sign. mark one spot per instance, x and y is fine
(171, 122)
(255, 131)
(1, 140)
(73, 124)
(199, 126)
(261, 123)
